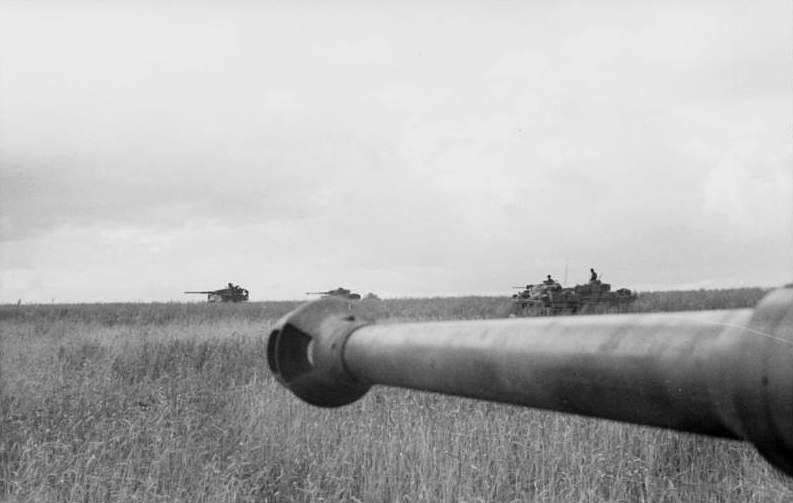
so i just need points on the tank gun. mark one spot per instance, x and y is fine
(725, 373)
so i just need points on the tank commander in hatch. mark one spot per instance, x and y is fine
(593, 276)
(549, 281)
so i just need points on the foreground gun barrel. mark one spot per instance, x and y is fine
(720, 373)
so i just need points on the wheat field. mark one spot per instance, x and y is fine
(173, 402)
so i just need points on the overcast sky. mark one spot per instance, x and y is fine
(409, 149)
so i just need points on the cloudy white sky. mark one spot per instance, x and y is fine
(410, 149)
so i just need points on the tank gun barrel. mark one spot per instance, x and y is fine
(212, 291)
(722, 373)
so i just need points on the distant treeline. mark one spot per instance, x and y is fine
(698, 300)
(436, 308)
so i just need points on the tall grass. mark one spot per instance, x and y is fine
(174, 403)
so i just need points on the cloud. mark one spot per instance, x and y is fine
(430, 150)
(751, 189)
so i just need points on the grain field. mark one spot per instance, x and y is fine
(173, 402)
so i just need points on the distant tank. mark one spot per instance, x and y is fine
(339, 292)
(550, 298)
(232, 293)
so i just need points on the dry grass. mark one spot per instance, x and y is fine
(173, 402)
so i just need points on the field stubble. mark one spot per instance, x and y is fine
(173, 402)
